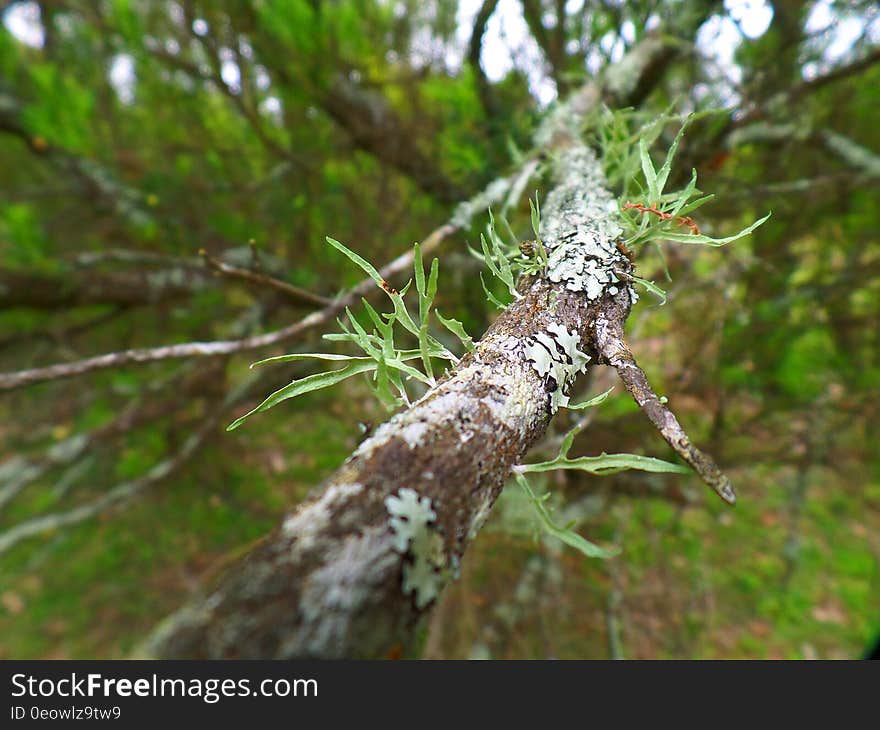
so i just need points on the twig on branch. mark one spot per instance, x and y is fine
(805, 89)
(836, 74)
(59, 336)
(475, 49)
(610, 344)
(121, 492)
(294, 293)
(77, 288)
(19, 472)
(376, 127)
(682, 220)
(136, 258)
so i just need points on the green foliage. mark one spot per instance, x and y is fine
(651, 287)
(591, 402)
(307, 385)
(602, 464)
(64, 110)
(617, 134)
(807, 365)
(534, 261)
(383, 358)
(667, 212)
(498, 257)
(508, 260)
(649, 212)
(25, 243)
(774, 344)
(564, 533)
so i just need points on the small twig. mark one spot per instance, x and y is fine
(294, 293)
(808, 87)
(75, 449)
(682, 220)
(609, 342)
(121, 492)
(137, 258)
(61, 336)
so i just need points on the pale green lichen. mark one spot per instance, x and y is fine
(580, 227)
(556, 358)
(410, 519)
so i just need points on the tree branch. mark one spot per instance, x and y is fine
(78, 288)
(375, 127)
(127, 490)
(613, 350)
(96, 180)
(836, 74)
(475, 50)
(555, 55)
(293, 293)
(802, 90)
(18, 472)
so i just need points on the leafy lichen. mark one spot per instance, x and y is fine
(555, 356)
(411, 516)
(580, 227)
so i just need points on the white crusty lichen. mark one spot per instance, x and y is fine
(333, 596)
(414, 432)
(555, 356)
(411, 516)
(579, 226)
(307, 525)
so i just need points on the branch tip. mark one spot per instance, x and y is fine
(615, 351)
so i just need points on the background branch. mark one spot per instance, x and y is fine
(11, 381)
